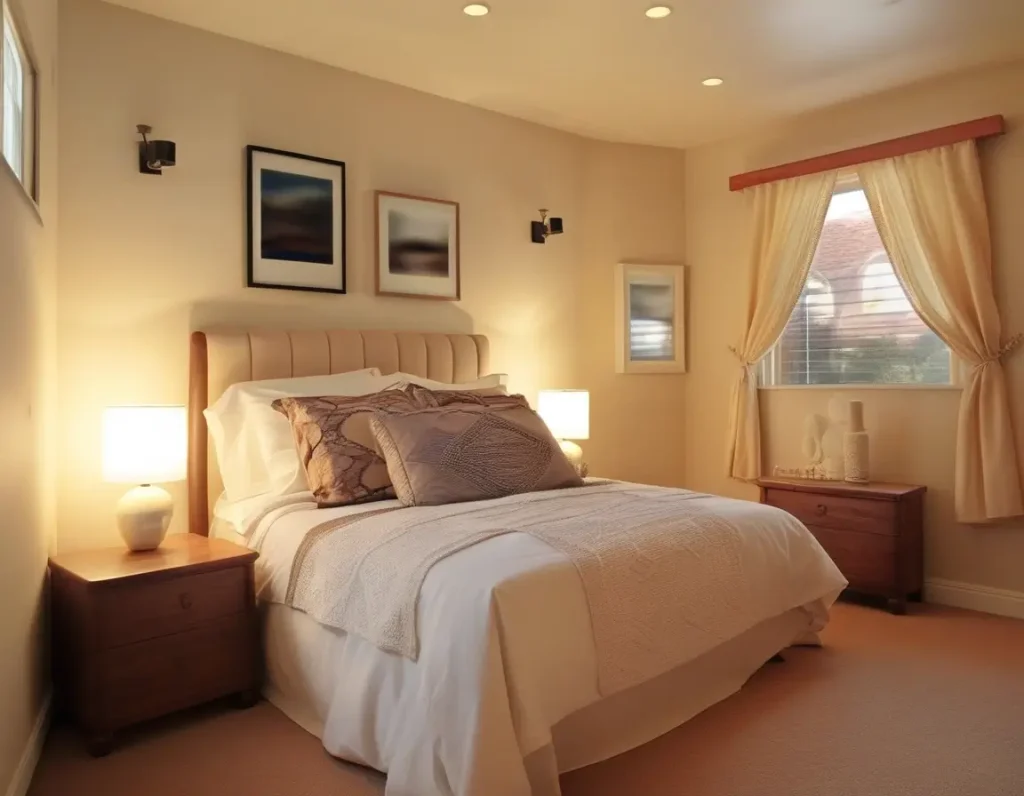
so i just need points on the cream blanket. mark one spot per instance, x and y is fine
(663, 572)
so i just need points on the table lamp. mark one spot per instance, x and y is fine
(567, 414)
(144, 445)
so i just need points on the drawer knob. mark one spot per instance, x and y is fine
(186, 600)
(822, 509)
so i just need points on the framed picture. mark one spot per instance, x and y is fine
(417, 247)
(296, 215)
(650, 318)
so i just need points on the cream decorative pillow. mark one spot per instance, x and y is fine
(337, 448)
(465, 452)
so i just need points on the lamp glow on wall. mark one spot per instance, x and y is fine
(567, 414)
(144, 445)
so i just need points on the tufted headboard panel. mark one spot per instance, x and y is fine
(219, 359)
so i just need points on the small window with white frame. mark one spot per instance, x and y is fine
(853, 323)
(18, 107)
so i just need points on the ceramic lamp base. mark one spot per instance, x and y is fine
(574, 453)
(143, 516)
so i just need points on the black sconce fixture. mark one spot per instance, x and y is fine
(154, 156)
(539, 230)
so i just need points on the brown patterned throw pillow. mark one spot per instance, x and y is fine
(427, 398)
(337, 448)
(464, 452)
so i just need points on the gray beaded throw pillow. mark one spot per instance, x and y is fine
(458, 453)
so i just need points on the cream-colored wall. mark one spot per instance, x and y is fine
(28, 241)
(145, 259)
(913, 432)
(634, 212)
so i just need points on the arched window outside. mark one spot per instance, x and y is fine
(880, 289)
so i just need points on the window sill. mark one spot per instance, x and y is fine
(5, 168)
(845, 387)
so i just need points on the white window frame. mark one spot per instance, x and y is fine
(29, 179)
(769, 369)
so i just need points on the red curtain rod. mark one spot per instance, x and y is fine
(918, 142)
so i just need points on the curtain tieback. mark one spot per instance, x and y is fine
(1011, 344)
(739, 356)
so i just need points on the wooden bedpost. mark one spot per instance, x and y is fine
(198, 497)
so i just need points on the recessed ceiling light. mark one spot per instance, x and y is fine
(477, 10)
(713, 81)
(658, 12)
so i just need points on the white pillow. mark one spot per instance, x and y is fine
(232, 517)
(254, 444)
(239, 518)
(493, 380)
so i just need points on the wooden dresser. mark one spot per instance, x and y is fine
(873, 532)
(139, 635)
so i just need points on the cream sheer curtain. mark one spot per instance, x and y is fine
(788, 218)
(930, 210)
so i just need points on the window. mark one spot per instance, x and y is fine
(880, 290)
(853, 322)
(17, 122)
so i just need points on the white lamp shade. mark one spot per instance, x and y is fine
(566, 412)
(144, 444)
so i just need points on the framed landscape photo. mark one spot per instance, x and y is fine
(417, 247)
(650, 318)
(296, 214)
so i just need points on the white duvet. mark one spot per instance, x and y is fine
(506, 650)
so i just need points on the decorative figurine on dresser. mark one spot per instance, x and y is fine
(873, 531)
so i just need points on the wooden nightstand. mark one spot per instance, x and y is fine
(873, 532)
(139, 635)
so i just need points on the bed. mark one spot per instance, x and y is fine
(507, 690)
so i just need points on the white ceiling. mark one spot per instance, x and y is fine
(601, 68)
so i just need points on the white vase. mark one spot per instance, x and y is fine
(855, 446)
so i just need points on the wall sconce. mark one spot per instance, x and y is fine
(539, 230)
(154, 155)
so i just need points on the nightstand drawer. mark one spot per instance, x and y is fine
(130, 612)
(843, 513)
(155, 677)
(867, 560)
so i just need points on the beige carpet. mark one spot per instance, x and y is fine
(925, 705)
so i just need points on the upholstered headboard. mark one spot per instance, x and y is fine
(219, 359)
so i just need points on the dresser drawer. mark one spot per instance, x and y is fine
(867, 560)
(844, 513)
(131, 612)
(155, 677)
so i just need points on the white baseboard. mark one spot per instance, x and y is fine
(976, 598)
(33, 749)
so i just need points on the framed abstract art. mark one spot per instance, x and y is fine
(296, 221)
(417, 247)
(650, 318)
